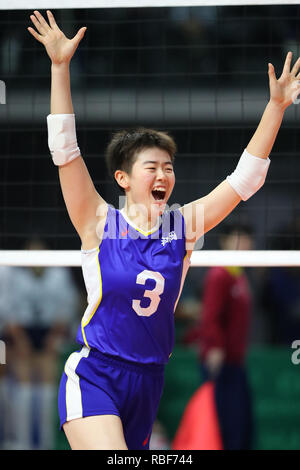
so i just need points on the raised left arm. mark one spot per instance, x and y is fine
(205, 213)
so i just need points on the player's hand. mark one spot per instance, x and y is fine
(286, 89)
(59, 48)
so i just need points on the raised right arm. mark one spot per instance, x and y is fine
(81, 198)
(80, 195)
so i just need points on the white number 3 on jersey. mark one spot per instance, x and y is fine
(153, 295)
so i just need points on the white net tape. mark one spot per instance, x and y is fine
(47, 4)
(199, 258)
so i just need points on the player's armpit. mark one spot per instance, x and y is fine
(86, 208)
(205, 213)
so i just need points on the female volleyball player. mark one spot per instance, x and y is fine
(134, 261)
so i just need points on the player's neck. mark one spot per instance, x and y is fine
(143, 220)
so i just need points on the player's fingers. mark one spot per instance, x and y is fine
(37, 24)
(296, 67)
(51, 19)
(42, 20)
(271, 72)
(79, 35)
(287, 63)
(35, 34)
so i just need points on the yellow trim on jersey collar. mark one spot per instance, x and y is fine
(154, 229)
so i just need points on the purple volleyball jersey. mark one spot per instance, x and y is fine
(133, 281)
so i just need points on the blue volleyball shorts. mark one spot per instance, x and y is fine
(95, 384)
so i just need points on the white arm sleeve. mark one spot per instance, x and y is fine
(62, 138)
(249, 175)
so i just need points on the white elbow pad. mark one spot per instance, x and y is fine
(249, 175)
(62, 139)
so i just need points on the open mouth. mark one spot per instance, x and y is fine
(158, 194)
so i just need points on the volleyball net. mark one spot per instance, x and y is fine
(197, 69)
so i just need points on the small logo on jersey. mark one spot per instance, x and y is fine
(169, 238)
(146, 440)
(124, 233)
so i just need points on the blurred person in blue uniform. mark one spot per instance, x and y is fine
(6, 312)
(44, 302)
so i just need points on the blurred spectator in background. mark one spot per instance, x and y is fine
(222, 336)
(281, 290)
(159, 439)
(281, 300)
(44, 304)
(5, 313)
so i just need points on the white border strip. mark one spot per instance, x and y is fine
(60, 4)
(199, 258)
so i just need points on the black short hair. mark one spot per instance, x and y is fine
(123, 149)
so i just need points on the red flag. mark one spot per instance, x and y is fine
(199, 427)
